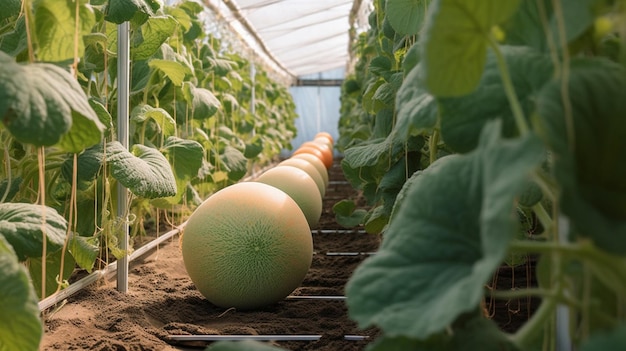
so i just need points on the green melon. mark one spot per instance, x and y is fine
(300, 186)
(247, 246)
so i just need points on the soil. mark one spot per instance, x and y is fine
(162, 301)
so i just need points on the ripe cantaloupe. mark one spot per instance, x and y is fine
(310, 169)
(319, 165)
(247, 246)
(300, 186)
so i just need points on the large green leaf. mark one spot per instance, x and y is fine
(525, 28)
(56, 26)
(20, 325)
(38, 103)
(591, 167)
(203, 103)
(9, 8)
(15, 42)
(165, 123)
(347, 215)
(185, 156)
(89, 163)
(152, 35)
(235, 162)
(455, 42)
(175, 71)
(449, 234)
(21, 224)
(145, 171)
(118, 11)
(463, 118)
(406, 16)
(417, 109)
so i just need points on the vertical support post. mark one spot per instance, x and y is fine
(123, 90)
(563, 338)
(318, 115)
(253, 90)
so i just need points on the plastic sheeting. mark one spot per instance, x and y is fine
(300, 36)
(317, 108)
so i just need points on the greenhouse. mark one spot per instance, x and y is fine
(332, 175)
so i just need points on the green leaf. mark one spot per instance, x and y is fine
(406, 16)
(38, 103)
(21, 225)
(525, 28)
(235, 162)
(84, 250)
(455, 42)
(184, 155)
(203, 103)
(9, 8)
(245, 345)
(347, 215)
(417, 109)
(15, 42)
(173, 70)
(89, 163)
(20, 325)
(165, 123)
(253, 147)
(611, 340)
(591, 167)
(145, 171)
(153, 34)
(85, 132)
(376, 220)
(447, 238)
(118, 11)
(14, 188)
(463, 118)
(56, 26)
(103, 115)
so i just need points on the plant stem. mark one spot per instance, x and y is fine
(518, 114)
(432, 146)
(521, 293)
(543, 216)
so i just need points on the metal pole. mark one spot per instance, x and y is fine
(123, 90)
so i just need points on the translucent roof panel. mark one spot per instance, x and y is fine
(301, 36)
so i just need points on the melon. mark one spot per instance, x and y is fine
(319, 165)
(247, 246)
(300, 186)
(309, 169)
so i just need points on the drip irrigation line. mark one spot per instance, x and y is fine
(109, 269)
(316, 297)
(337, 231)
(278, 337)
(350, 253)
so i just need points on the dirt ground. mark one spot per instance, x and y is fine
(162, 301)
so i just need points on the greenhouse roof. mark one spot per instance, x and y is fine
(298, 37)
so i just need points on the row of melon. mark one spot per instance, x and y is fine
(250, 244)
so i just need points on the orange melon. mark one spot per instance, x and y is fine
(315, 151)
(300, 186)
(327, 151)
(247, 246)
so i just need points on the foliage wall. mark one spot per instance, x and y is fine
(198, 122)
